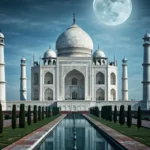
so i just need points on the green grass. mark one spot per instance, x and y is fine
(142, 135)
(9, 136)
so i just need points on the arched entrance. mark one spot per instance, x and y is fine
(74, 86)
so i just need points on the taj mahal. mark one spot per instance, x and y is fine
(76, 77)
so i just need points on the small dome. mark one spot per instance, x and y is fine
(74, 42)
(49, 54)
(99, 53)
(147, 35)
(1, 35)
(124, 60)
(23, 59)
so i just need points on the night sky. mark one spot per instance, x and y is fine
(30, 26)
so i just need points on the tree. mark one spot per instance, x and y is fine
(115, 114)
(42, 112)
(122, 115)
(35, 114)
(110, 113)
(22, 116)
(1, 119)
(139, 122)
(29, 115)
(129, 116)
(46, 112)
(13, 120)
(39, 113)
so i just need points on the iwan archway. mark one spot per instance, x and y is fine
(74, 86)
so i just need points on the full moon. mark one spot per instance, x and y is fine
(112, 12)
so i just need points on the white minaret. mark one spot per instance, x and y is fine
(2, 70)
(146, 68)
(124, 79)
(23, 80)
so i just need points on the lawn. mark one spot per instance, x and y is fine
(142, 135)
(9, 136)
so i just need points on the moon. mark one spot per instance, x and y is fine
(112, 12)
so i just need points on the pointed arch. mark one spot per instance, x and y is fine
(100, 78)
(48, 78)
(48, 94)
(112, 79)
(113, 94)
(100, 94)
(36, 79)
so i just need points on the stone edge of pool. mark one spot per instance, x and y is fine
(30, 141)
(123, 140)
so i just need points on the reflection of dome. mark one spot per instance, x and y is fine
(49, 54)
(147, 35)
(74, 42)
(1, 35)
(99, 53)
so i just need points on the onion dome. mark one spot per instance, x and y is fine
(124, 60)
(74, 42)
(49, 54)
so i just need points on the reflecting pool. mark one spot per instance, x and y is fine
(75, 133)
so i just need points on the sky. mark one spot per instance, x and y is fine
(30, 26)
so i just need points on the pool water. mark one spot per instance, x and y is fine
(74, 131)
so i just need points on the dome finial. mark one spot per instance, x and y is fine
(49, 46)
(74, 18)
(98, 46)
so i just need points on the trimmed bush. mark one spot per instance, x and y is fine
(35, 114)
(29, 115)
(129, 116)
(46, 112)
(110, 113)
(1, 119)
(22, 116)
(122, 115)
(115, 115)
(13, 120)
(39, 113)
(139, 122)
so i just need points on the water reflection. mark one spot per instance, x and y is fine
(61, 138)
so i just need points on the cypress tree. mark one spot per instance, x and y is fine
(22, 116)
(29, 115)
(39, 113)
(110, 113)
(129, 116)
(1, 119)
(50, 111)
(42, 112)
(115, 114)
(122, 115)
(13, 120)
(35, 114)
(46, 112)
(139, 122)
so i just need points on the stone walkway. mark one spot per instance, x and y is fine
(125, 141)
(31, 140)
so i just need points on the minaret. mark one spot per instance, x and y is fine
(146, 68)
(23, 80)
(124, 79)
(2, 70)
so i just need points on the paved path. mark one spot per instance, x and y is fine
(28, 142)
(145, 123)
(124, 140)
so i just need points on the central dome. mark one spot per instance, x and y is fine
(74, 42)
